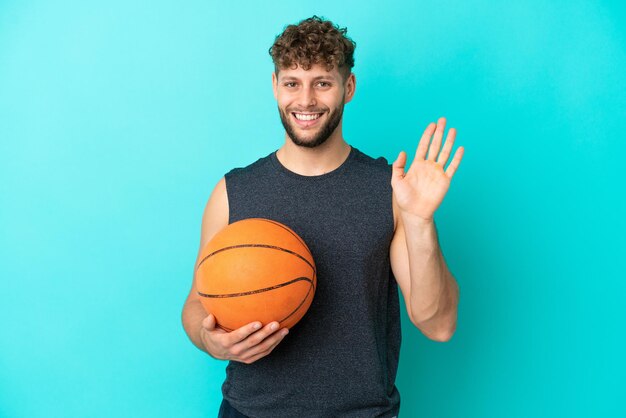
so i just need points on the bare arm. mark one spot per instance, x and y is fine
(246, 344)
(430, 292)
(215, 218)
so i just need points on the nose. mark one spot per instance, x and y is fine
(307, 97)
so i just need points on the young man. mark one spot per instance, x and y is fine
(370, 228)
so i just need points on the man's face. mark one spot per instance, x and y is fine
(310, 102)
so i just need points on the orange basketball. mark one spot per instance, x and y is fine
(256, 270)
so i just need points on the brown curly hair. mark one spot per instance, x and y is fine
(314, 41)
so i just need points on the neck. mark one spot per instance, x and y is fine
(314, 161)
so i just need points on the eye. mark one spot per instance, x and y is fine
(324, 84)
(290, 84)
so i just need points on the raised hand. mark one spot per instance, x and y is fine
(421, 189)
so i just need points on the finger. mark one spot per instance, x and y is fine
(257, 337)
(454, 164)
(240, 348)
(242, 333)
(209, 322)
(447, 147)
(422, 147)
(210, 325)
(252, 359)
(433, 150)
(397, 168)
(266, 347)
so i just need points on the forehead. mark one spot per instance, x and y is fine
(316, 71)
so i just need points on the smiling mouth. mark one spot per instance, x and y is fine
(305, 117)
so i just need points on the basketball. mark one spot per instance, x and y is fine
(255, 270)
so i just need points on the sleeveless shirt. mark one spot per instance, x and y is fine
(341, 358)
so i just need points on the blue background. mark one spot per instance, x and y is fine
(117, 118)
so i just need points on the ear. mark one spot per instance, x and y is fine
(275, 85)
(349, 87)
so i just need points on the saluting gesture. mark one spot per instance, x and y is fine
(422, 188)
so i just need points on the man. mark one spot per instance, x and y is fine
(370, 228)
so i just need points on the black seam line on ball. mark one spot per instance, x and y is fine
(251, 292)
(285, 318)
(301, 303)
(286, 229)
(255, 245)
(289, 315)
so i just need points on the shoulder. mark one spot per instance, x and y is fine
(215, 214)
(379, 165)
(379, 168)
(253, 167)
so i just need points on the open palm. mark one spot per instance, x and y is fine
(422, 188)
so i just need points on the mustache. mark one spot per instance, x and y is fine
(306, 110)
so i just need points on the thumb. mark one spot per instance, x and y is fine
(397, 172)
(209, 322)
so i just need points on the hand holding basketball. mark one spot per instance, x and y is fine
(246, 344)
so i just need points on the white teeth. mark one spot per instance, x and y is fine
(301, 116)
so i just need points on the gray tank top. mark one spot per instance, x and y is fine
(341, 359)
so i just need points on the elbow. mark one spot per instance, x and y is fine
(447, 325)
(436, 328)
(439, 325)
(443, 337)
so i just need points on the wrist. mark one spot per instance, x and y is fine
(412, 219)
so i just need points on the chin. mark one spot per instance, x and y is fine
(311, 143)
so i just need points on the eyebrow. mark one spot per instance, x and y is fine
(319, 77)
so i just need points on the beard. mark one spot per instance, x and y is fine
(323, 132)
